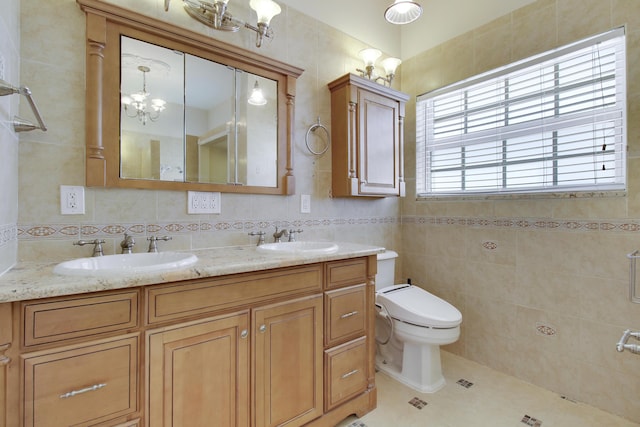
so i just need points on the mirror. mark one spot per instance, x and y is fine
(189, 119)
(168, 108)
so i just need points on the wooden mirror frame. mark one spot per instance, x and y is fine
(105, 23)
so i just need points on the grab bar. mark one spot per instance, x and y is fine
(19, 124)
(633, 256)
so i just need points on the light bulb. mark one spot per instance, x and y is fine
(257, 97)
(265, 9)
(370, 56)
(390, 65)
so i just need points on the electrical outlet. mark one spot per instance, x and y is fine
(305, 203)
(203, 202)
(71, 200)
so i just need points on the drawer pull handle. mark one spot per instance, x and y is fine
(348, 374)
(353, 313)
(83, 390)
(262, 328)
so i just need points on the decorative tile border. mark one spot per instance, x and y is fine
(547, 224)
(8, 233)
(77, 231)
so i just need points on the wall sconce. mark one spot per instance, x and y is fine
(402, 12)
(370, 56)
(257, 97)
(390, 65)
(216, 15)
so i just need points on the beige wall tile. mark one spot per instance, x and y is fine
(594, 17)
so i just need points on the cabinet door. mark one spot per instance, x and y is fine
(288, 362)
(198, 373)
(378, 144)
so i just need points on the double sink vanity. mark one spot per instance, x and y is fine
(238, 336)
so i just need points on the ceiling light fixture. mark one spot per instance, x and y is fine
(138, 101)
(215, 15)
(403, 12)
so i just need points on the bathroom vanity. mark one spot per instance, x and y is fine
(241, 338)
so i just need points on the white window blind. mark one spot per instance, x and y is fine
(551, 123)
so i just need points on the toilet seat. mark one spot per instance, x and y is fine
(414, 305)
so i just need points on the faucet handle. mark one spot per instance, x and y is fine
(258, 233)
(97, 248)
(292, 234)
(153, 245)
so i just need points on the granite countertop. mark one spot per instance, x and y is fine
(31, 280)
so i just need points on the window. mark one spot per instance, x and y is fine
(551, 123)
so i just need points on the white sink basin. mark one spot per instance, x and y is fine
(154, 262)
(299, 248)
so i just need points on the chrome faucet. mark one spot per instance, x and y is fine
(127, 244)
(277, 236)
(97, 248)
(153, 245)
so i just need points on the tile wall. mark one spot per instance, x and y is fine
(10, 72)
(53, 50)
(542, 283)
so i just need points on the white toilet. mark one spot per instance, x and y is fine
(411, 325)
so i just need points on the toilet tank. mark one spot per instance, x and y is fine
(386, 269)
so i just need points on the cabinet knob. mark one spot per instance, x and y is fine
(244, 333)
(262, 328)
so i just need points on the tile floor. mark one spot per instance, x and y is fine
(484, 398)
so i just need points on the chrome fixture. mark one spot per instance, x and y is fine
(622, 344)
(215, 15)
(258, 233)
(153, 245)
(292, 234)
(138, 101)
(19, 124)
(402, 12)
(127, 244)
(97, 248)
(369, 57)
(257, 97)
(277, 236)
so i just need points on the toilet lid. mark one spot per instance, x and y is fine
(415, 305)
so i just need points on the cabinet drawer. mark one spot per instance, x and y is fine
(81, 386)
(345, 372)
(345, 314)
(206, 296)
(61, 319)
(345, 273)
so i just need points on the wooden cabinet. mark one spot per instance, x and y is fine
(367, 138)
(288, 347)
(198, 373)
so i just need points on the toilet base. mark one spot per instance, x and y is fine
(424, 363)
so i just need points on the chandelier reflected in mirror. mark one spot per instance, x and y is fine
(139, 105)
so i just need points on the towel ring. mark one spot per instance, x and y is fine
(313, 129)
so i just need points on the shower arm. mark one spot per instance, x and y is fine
(19, 124)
